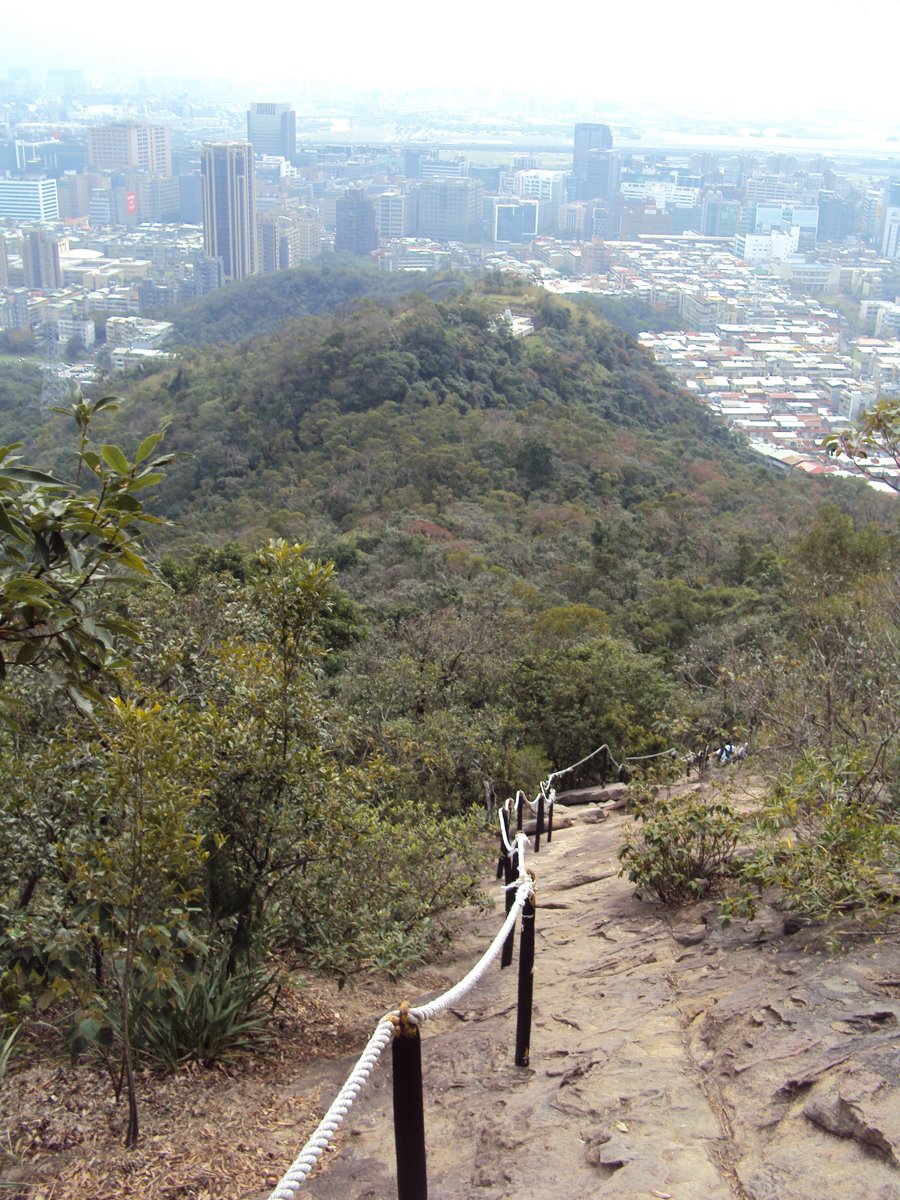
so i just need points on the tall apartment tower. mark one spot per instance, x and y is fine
(355, 227)
(588, 136)
(229, 207)
(272, 129)
(40, 261)
(116, 147)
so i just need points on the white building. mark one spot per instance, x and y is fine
(393, 214)
(890, 242)
(29, 200)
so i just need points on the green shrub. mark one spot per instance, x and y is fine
(683, 846)
(828, 842)
(208, 1015)
(6, 1048)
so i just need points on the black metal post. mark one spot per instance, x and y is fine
(409, 1112)
(526, 985)
(504, 838)
(519, 807)
(550, 809)
(540, 822)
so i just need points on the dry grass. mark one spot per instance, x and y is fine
(221, 1134)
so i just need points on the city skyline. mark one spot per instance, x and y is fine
(777, 62)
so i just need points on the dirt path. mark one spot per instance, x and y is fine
(667, 1059)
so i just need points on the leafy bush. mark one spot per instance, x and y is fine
(683, 847)
(208, 1015)
(828, 842)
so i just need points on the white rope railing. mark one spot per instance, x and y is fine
(548, 792)
(383, 1033)
(325, 1131)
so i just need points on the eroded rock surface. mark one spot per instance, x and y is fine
(669, 1058)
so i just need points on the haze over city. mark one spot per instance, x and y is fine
(772, 61)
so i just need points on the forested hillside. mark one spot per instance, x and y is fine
(413, 563)
(265, 302)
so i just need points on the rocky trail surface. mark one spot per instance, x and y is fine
(669, 1058)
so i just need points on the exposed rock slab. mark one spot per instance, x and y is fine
(668, 1058)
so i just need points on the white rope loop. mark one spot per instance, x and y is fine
(324, 1133)
(524, 888)
(507, 844)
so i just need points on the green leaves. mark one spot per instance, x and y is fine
(61, 545)
(115, 459)
(682, 848)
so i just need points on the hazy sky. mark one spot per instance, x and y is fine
(776, 57)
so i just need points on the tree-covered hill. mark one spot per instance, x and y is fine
(261, 304)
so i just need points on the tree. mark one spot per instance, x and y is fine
(876, 437)
(62, 544)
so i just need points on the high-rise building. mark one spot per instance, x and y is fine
(450, 210)
(74, 190)
(272, 129)
(40, 261)
(393, 214)
(836, 215)
(548, 186)
(308, 225)
(288, 238)
(116, 147)
(229, 207)
(601, 181)
(890, 240)
(29, 199)
(588, 136)
(158, 197)
(354, 226)
(719, 217)
(4, 263)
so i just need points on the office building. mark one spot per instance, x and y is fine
(29, 200)
(308, 224)
(719, 217)
(354, 223)
(890, 241)
(74, 191)
(836, 217)
(546, 186)
(117, 147)
(287, 239)
(588, 136)
(601, 180)
(393, 215)
(4, 263)
(158, 198)
(507, 221)
(229, 207)
(450, 210)
(40, 261)
(272, 129)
